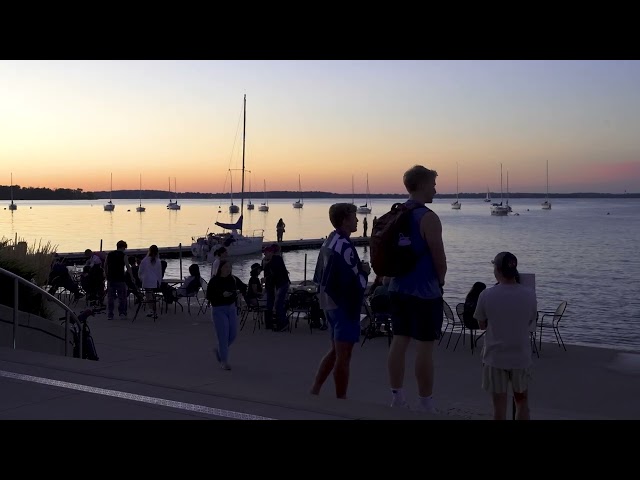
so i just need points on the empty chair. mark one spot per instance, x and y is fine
(300, 302)
(450, 323)
(551, 320)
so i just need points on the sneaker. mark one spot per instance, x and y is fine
(421, 408)
(225, 366)
(399, 404)
(109, 318)
(150, 314)
(123, 315)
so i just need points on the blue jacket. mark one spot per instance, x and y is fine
(339, 276)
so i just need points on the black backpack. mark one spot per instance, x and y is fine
(392, 254)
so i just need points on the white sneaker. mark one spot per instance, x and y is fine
(421, 408)
(225, 366)
(397, 403)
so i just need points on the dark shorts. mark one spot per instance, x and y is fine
(343, 328)
(416, 317)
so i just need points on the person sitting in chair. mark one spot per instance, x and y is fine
(470, 303)
(191, 284)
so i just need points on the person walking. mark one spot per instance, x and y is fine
(222, 292)
(342, 279)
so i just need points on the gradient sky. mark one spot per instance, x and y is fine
(73, 123)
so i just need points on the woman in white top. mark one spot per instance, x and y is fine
(150, 273)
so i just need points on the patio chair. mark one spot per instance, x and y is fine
(472, 326)
(300, 302)
(452, 323)
(378, 309)
(192, 294)
(552, 322)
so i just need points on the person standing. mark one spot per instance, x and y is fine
(364, 227)
(342, 279)
(280, 229)
(508, 312)
(416, 298)
(278, 276)
(115, 265)
(222, 292)
(150, 273)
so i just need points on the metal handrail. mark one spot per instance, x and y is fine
(17, 280)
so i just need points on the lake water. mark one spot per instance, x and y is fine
(581, 251)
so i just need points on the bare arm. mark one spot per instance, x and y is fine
(431, 230)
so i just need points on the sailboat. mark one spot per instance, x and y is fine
(264, 206)
(250, 206)
(233, 208)
(456, 205)
(173, 205)
(109, 206)
(488, 199)
(546, 205)
(497, 209)
(12, 206)
(299, 203)
(235, 242)
(365, 209)
(140, 208)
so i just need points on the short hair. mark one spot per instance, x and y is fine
(121, 244)
(194, 269)
(153, 251)
(338, 212)
(88, 251)
(417, 176)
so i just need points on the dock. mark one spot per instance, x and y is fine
(71, 258)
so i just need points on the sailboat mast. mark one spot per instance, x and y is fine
(547, 180)
(140, 189)
(456, 182)
(500, 184)
(12, 188)
(110, 191)
(244, 130)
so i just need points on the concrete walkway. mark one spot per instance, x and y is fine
(167, 370)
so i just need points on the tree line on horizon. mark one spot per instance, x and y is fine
(40, 193)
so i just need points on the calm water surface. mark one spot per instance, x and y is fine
(583, 250)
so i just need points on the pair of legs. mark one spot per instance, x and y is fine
(496, 381)
(419, 319)
(119, 290)
(225, 322)
(281, 311)
(345, 333)
(279, 235)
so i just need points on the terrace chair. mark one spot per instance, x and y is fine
(473, 327)
(300, 302)
(451, 323)
(552, 322)
(378, 310)
(192, 294)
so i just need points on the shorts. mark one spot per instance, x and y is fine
(496, 380)
(415, 317)
(343, 328)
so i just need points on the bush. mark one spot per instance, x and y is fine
(31, 263)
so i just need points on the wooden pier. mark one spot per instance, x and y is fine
(175, 252)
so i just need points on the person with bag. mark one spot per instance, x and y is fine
(416, 260)
(222, 292)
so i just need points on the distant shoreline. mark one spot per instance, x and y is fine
(20, 194)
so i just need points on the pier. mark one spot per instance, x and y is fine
(185, 250)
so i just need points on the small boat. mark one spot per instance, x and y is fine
(250, 206)
(299, 203)
(456, 205)
(488, 198)
(498, 209)
(546, 205)
(173, 205)
(140, 208)
(365, 209)
(109, 206)
(264, 206)
(12, 206)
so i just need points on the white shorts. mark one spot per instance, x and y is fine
(496, 380)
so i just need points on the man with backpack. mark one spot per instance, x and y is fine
(406, 244)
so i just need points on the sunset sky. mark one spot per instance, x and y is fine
(72, 123)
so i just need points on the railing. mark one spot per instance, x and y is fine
(68, 312)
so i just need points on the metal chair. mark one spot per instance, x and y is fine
(451, 322)
(378, 309)
(300, 302)
(552, 323)
(467, 324)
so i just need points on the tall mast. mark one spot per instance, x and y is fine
(244, 129)
(547, 180)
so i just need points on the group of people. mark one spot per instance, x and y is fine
(507, 310)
